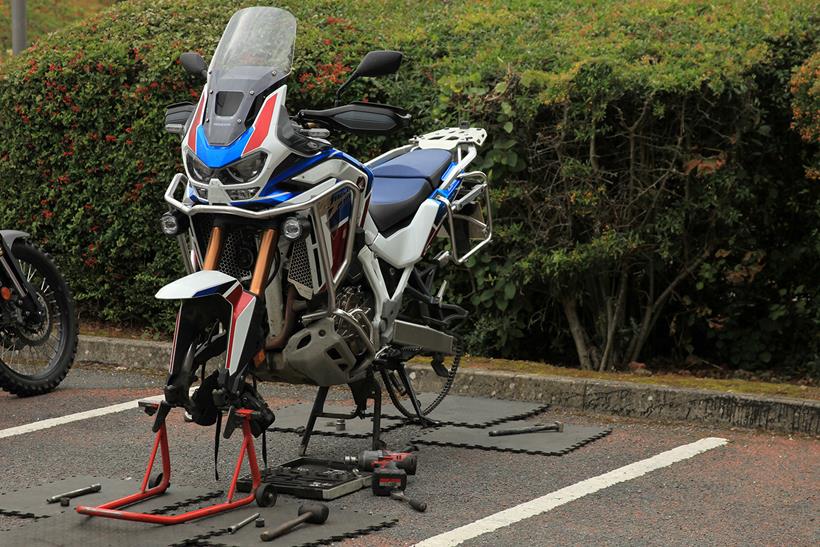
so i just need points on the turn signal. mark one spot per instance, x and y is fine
(5, 293)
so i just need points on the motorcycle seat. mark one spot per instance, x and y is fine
(395, 200)
(428, 164)
(401, 184)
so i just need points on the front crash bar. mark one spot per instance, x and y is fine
(111, 509)
(311, 203)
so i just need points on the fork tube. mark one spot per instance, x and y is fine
(214, 249)
(267, 248)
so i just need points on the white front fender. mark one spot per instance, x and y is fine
(198, 284)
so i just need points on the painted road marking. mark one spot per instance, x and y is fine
(76, 417)
(570, 493)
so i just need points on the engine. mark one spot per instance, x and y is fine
(327, 351)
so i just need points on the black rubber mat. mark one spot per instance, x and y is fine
(547, 443)
(32, 501)
(341, 524)
(294, 418)
(73, 529)
(471, 411)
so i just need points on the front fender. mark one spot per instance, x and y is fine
(10, 236)
(196, 285)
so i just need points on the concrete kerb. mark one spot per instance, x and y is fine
(704, 407)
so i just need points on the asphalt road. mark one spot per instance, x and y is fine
(758, 489)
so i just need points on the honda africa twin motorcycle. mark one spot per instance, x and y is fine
(304, 264)
(38, 323)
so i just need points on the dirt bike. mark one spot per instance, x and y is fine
(38, 322)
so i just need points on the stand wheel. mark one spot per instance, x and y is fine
(266, 495)
(155, 480)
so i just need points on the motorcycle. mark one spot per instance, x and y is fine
(305, 265)
(38, 322)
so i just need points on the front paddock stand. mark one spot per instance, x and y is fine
(112, 508)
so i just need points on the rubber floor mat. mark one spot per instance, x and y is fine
(32, 501)
(293, 419)
(546, 443)
(471, 411)
(341, 524)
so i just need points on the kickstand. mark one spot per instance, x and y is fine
(377, 415)
(423, 420)
(318, 411)
(315, 412)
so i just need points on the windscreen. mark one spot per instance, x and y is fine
(260, 37)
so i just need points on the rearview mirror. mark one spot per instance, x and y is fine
(379, 63)
(375, 63)
(194, 64)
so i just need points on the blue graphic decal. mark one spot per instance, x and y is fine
(214, 290)
(447, 172)
(220, 156)
(271, 194)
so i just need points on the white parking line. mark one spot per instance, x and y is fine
(570, 493)
(54, 422)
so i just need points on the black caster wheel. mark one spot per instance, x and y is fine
(266, 495)
(155, 480)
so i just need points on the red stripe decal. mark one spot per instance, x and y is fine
(261, 126)
(196, 123)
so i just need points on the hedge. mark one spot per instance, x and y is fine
(651, 197)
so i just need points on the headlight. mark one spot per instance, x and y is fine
(198, 170)
(174, 223)
(246, 169)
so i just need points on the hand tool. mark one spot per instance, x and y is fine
(387, 478)
(557, 426)
(75, 493)
(260, 522)
(371, 459)
(419, 506)
(240, 524)
(314, 513)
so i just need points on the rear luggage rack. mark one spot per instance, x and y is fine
(462, 193)
(451, 137)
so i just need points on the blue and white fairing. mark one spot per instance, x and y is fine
(238, 149)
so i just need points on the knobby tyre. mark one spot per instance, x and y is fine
(35, 362)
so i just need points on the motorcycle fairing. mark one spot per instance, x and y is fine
(254, 54)
(208, 296)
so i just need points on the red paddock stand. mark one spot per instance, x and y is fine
(264, 496)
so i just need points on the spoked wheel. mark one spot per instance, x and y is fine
(37, 352)
(399, 383)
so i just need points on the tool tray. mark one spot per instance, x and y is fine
(312, 478)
